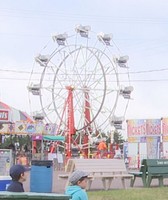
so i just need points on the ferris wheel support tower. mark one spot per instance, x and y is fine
(87, 125)
(70, 122)
(71, 130)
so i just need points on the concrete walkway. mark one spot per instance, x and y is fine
(59, 184)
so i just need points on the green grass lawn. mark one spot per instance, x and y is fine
(154, 193)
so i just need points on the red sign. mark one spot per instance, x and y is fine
(4, 115)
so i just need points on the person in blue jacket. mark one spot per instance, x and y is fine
(78, 182)
(18, 175)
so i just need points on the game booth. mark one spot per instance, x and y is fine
(147, 138)
(42, 137)
(16, 124)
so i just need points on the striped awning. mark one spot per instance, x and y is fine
(10, 114)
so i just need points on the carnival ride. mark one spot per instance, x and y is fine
(79, 79)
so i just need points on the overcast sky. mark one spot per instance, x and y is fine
(139, 29)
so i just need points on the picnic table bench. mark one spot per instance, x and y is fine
(152, 169)
(104, 169)
(142, 173)
(156, 169)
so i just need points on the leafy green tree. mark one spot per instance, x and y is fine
(118, 138)
(12, 139)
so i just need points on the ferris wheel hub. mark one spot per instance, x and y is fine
(70, 87)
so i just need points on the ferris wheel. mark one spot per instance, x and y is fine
(81, 82)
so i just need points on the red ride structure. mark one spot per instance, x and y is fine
(70, 127)
(70, 122)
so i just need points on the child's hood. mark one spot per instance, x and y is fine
(73, 189)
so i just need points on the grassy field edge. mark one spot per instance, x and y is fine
(130, 194)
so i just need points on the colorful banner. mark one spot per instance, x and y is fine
(133, 139)
(31, 128)
(153, 147)
(142, 127)
(136, 127)
(165, 126)
(153, 126)
(152, 133)
(4, 128)
(21, 127)
(11, 128)
(40, 128)
(165, 138)
(50, 129)
(141, 139)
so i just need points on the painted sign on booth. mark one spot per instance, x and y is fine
(153, 147)
(4, 115)
(136, 127)
(153, 126)
(165, 126)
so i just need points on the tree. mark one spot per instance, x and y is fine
(12, 139)
(118, 139)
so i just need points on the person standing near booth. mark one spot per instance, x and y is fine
(102, 148)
